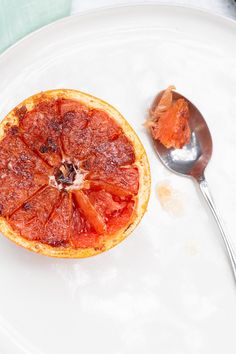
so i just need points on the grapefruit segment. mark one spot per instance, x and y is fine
(21, 173)
(71, 106)
(118, 152)
(76, 137)
(41, 128)
(103, 127)
(57, 227)
(82, 233)
(90, 212)
(125, 178)
(86, 240)
(122, 218)
(111, 188)
(30, 219)
(104, 203)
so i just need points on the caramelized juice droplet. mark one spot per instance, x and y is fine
(170, 199)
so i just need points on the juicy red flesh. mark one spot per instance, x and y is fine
(22, 173)
(30, 219)
(41, 129)
(53, 132)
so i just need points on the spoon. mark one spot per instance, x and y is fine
(191, 161)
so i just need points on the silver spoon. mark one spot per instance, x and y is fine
(191, 161)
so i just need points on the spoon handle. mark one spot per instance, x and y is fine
(228, 245)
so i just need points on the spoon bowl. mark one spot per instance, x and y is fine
(193, 158)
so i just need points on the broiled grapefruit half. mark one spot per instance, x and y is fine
(74, 176)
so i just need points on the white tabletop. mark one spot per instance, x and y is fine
(223, 7)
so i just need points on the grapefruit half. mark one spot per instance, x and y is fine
(74, 176)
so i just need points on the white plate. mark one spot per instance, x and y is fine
(168, 288)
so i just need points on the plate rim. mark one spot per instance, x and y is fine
(102, 9)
